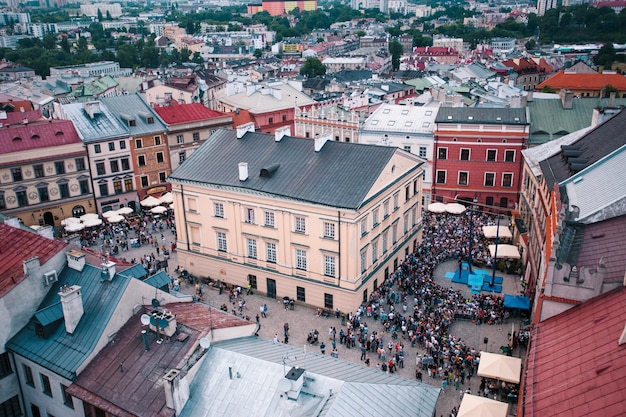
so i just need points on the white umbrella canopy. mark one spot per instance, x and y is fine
(437, 207)
(109, 213)
(88, 216)
(35, 227)
(74, 227)
(115, 219)
(125, 210)
(455, 208)
(491, 232)
(505, 252)
(150, 202)
(167, 198)
(475, 406)
(158, 210)
(496, 366)
(91, 222)
(69, 220)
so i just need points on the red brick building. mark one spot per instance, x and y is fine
(477, 155)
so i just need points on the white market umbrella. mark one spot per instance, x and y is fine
(115, 219)
(109, 213)
(69, 220)
(437, 207)
(149, 202)
(502, 367)
(475, 406)
(74, 227)
(505, 252)
(92, 222)
(167, 198)
(491, 232)
(35, 227)
(455, 208)
(88, 216)
(158, 210)
(125, 210)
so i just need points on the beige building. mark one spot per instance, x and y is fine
(319, 221)
(342, 125)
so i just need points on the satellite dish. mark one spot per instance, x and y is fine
(145, 319)
(155, 302)
(205, 343)
(284, 385)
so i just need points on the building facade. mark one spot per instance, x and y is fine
(477, 155)
(342, 125)
(276, 223)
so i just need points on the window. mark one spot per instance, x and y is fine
(329, 230)
(441, 177)
(125, 164)
(141, 160)
(463, 176)
(374, 218)
(407, 193)
(300, 225)
(104, 189)
(5, 365)
(252, 248)
(196, 136)
(117, 187)
(11, 407)
(374, 252)
(157, 140)
(490, 178)
(271, 252)
(111, 146)
(22, 200)
(138, 143)
(122, 144)
(394, 233)
(507, 179)
(442, 153)
(84, 186)
(413, 216)
(301, 259)
(17, 174)
(363, 262)
(194, 235)
(491, 155)
(385, 209)
(406, 223)
(128, 184)
(329, 266)
(115, 167)
(465, 154)
(364, 226)
(218, 210)
(407, 148)
(396, 200)
(221, 242)
(252, 281)
(328, 301)
(45, 385)
(284, 117)
(43, 194)
(159, 157)
(385, 241)
(422, 151)
(250, 215)
(64, 190)
(270, 120)
(144, 181)
(38, 169)
(28, 375)
(80, 164)
(100, 170)
(180, 139)
(162, 176)
(509, 156)
(96, 149)
(150, 120)
(300, 294)
(269, 219)
(415, 188)
(181, 157)
(67, 398)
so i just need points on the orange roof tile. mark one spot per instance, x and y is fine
(572, 81)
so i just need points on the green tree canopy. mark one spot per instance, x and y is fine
(313, 67)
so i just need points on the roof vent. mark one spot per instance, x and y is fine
(269, 171)
(282, 131)
(296, 378)
(49, 277)
(243, 171)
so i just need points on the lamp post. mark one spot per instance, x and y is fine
(471, 229)
(495, 253)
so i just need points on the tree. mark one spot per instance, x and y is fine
(530, 44)
(608, 89)
(49, 41)
(313, 67)
(100, 18)
(258, 53)
(65, 45)
(395, 49)
(606, 56)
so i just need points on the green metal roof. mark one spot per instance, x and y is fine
(158, 280)
(420, 84)
(49, 314)
(64, 353)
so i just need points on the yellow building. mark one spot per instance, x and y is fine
(319, 221)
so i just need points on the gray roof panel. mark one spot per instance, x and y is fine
(104, 125)
(132, 105)
(476, 115)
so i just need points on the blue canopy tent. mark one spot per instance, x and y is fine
(516, 301)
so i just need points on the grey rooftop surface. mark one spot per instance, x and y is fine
(104, 125)
(339, 175)
(479, 115)
(134, 106)
(333, 387)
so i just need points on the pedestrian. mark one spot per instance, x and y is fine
(334, 353)
(276, 340)
(363, 351)
(286, 329)
(323, 348)
(444, 384)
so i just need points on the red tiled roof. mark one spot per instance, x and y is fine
(575, 365)
(184, 113)
(16, 246)
(592, 82)
(200, 317)
(37, 135)
(242, 118)
(20, 116)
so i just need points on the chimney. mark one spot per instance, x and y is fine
(31, 265)
(282, 131)
(72, 303)
(108, 270)
(75, 260)
(611, 98)
(46, 231)
(176, 391)
(243, 171)
(321, 140)
(242, 129)
(567, 99)
(296, 377)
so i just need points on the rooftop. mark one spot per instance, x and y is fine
(103, 124)
(576, 81)
(479, 115)
(133, 107)
(185, 113)
(405, 119)
(37, 135)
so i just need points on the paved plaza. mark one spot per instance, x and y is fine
(302, 320)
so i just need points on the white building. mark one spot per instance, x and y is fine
(344, 63)
(91, 10)
(408, 127)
